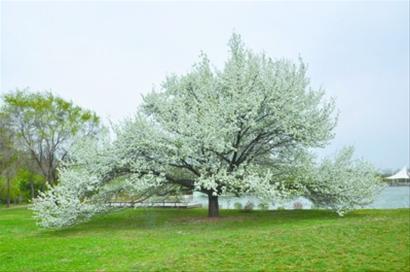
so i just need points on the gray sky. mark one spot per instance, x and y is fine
(105, 55)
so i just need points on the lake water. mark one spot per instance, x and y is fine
(390, 198)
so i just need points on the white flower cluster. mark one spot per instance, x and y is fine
(66, 203)
(88, 181)
(343, 183)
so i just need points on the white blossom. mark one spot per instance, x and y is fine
(343, 183)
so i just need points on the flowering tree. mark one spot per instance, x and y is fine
(247, 128)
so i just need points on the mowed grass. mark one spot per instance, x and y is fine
(185, 240)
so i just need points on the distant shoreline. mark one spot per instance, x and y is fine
(399, 184)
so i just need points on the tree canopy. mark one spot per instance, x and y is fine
(8, 162)
(45, 126)
(247, 128)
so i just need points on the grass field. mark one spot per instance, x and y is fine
(169, 240)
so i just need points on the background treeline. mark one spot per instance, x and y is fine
(36, 131)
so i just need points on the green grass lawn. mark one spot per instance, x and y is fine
(169, 240)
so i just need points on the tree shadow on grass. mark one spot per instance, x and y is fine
(164, 220)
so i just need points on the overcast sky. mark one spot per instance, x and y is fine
(105, 55)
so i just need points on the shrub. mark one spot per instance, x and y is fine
(297, 205)
(237, 206)
(249, 206)
(263, 206)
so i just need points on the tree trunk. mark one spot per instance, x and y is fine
(213, 206)
(8, 192)
(32, 189)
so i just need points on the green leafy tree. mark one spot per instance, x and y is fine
(8, 160)
(45, 126)
(29, 182)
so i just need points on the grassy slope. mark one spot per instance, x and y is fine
(168, 240)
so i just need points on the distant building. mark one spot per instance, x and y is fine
(403, 176)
